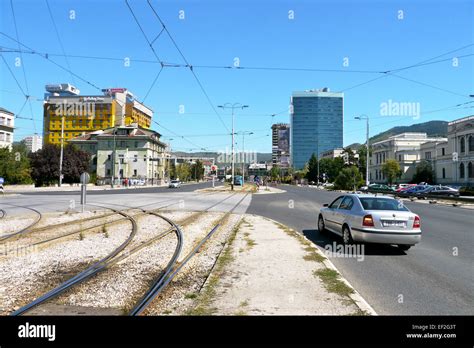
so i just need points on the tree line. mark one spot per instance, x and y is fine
(18, 167)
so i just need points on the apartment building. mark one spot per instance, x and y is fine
(7, 123)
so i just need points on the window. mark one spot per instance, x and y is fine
(443, 151)
(135, 172)
(336, 203)
(108, 171)
(428, 155)
(372, 203)
(461, 170)
(444, 173)
(399, 158)
(347, 203)
(109, 157)
(470, 171)
(471, 143)
(462, 145)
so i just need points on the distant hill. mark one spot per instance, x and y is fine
(432, 128)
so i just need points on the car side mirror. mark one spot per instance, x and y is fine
(325, 205)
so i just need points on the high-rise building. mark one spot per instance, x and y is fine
(81, 114)
(7, 123)
(316, 124)
(33, 143)
(281, 144)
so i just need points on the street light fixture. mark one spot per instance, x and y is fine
(365, 117)
(232, 107)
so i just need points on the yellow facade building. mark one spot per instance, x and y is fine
(82, 114)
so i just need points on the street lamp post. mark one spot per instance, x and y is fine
(232, 107)
(362, 117)
(243, 151)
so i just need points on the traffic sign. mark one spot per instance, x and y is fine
(85, 177)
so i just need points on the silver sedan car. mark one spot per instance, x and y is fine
(371, 219)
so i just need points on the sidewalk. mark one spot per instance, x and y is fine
(269, 269)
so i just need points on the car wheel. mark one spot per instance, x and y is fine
(321, 227)
(404, 247)
(346, 236)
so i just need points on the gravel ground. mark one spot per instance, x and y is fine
(25, 276)
(177, 299)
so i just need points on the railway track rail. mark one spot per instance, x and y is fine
(93, 218)
(118, 255)
(173, 269)
(23, 230)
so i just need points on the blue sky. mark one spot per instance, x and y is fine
(259, 34)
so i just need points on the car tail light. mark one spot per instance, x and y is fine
(417, 222)
(368, 221)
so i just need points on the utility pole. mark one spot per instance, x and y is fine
(243, 151)
(62, 153)
(232, 107)
(114, 159)
(362, 117)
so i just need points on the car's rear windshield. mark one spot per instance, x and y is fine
(174, 181)
(373, 203)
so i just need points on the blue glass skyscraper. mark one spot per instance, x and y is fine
(316, 124)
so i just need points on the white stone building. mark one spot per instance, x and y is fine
(7, 126)
(404, 148)
(33, 142)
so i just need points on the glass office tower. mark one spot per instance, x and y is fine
(316, 124)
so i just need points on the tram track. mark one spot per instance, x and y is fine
(120, 254)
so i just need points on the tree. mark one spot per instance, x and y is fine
(331, 167)
(312, 174)
(172, 170)
(362, 163)
(391, 170)
(197, 170)
(275, 173)
(351, 160)
(423, 173)
(183, 171)
(45, 164)
(348, 179)
(15, 165)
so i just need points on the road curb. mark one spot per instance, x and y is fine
(355, 296)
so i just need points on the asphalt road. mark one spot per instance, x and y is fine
(141, 189)
(429, 279)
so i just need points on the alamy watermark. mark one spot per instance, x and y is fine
(394, 108)
(356, 251)
(239, 157)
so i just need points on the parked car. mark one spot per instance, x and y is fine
(174, 184)
(437, 191)
(403, 187)
(411, 191)
(372, 219)
(380, 188)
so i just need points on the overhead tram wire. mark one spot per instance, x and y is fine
(176, 65)
(392, 72)
(190, 67)
(59, 39)
(150, 44)
(46, 57)
(82, 79)
(23, 66)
